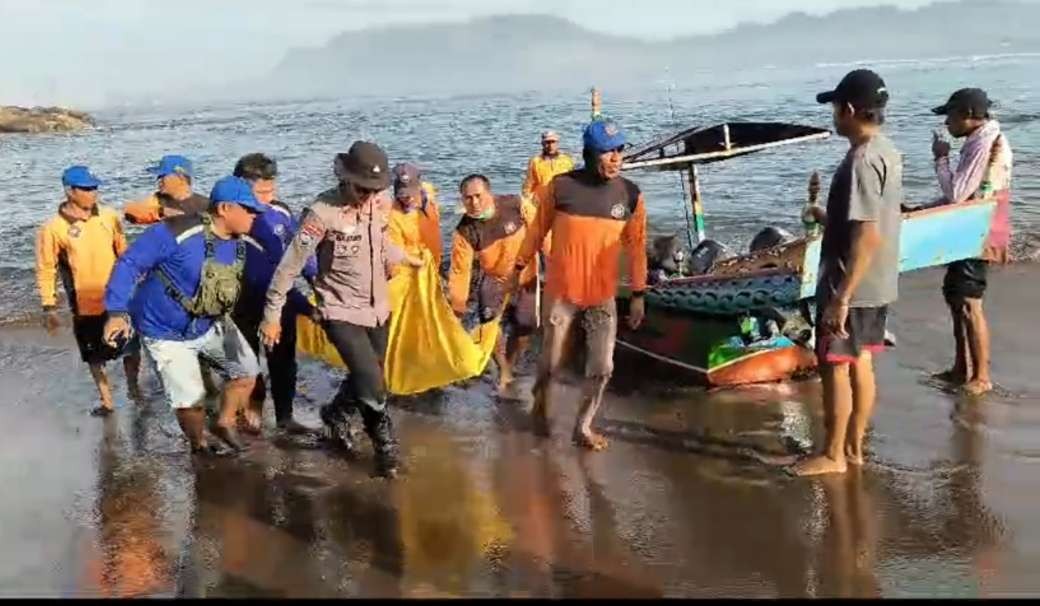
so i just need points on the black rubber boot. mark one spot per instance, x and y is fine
(337, 427)
(380, 430)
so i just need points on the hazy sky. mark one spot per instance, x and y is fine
(93, 52)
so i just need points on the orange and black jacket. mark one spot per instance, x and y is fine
(592, 222)
(158, 206)
(83, 253)
(492, 245)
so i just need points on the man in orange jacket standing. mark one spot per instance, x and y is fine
(594, 214)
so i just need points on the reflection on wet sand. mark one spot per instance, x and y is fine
(129, 560)
(683, 503)
(845, 563)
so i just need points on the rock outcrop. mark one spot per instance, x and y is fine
(15, 119)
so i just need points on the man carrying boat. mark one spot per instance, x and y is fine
(81, 244)
(551, 162)
(173, 195)
(179, 281)
(267, 241)
(983, 171)
(859, 268)
(415, 219)
(489, 237)
(347, 228)
(594, 214)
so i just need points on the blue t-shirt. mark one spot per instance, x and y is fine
(177, 247)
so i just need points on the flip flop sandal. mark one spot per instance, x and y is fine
(207, 450)
(101, 411)
(595, 444)
(228, 437)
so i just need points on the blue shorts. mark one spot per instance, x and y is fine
(177, 362)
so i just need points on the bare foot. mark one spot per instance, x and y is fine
(593, 441)
(853, 458)
(978, 387)
(951, 376)
(504, 383)
(818, 466)
(252, 422)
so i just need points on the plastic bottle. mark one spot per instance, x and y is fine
(812, 227)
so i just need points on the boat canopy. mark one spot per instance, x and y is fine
(703, 145)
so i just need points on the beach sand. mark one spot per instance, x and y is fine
(687, 501)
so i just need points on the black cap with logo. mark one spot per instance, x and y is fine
(972, 102)
(365, 165)
(862, 89)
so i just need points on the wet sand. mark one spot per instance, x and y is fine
(680, 505)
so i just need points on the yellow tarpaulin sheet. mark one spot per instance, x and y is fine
(427, 347)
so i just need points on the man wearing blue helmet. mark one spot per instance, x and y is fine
(594, 214)
(179, 281)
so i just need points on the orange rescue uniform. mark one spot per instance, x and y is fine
(157, 206)
(591, 221)
(493, 243)
(420, 228)
(84, 251)
(542, 170)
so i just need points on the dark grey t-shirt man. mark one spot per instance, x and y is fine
(868, 186)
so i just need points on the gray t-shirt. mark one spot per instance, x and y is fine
(868, 186)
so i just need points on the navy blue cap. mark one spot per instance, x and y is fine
(172, 165)
(235, 190)
(603, 135)
(974, 102)
(861, 88)
(80, 177)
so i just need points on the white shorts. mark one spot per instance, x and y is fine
(177, 362)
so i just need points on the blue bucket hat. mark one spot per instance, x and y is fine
(235, 190)
(79, 177)
(603, 135)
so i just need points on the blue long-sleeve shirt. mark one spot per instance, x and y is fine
(271, 235)
(177, 247)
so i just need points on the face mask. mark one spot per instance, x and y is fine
(487, 214)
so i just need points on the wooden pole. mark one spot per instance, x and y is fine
(695, 201)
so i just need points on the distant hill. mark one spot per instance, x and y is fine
(513, 52)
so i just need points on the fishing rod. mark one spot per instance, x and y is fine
(670, 86)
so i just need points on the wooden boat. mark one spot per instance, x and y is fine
(700, 323)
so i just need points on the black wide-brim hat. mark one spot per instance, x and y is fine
(366, 165)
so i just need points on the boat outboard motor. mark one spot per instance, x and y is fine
(770, 237)
(666, 259)
(704, 256)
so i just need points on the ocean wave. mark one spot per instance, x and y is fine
(926, 61)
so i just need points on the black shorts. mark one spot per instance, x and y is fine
(89, 332)
(965, 279)
(866, 329)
